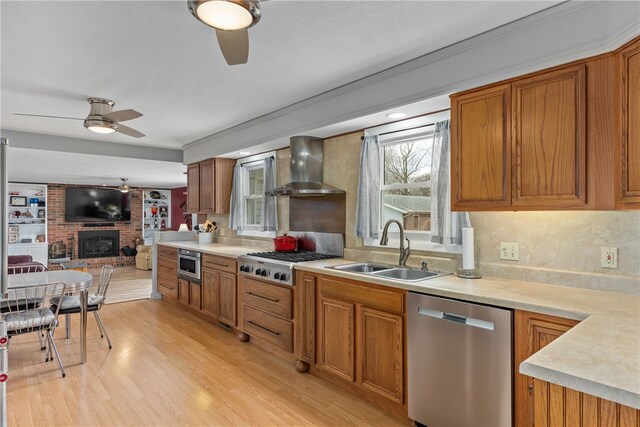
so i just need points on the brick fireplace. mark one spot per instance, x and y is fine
(98, 244)
(69, 232)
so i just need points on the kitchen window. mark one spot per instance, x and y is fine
(249, 204)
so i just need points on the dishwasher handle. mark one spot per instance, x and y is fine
(451, 317)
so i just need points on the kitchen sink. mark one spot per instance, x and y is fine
(363, 267)
(403, 274)
(406, 274)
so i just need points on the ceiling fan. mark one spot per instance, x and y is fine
(230, 19)
(102, 118)
(124, 187)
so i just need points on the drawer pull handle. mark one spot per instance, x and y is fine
(264, 297)
(216, 263)
(264, 328)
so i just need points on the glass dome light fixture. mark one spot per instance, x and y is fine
(227, 15)
(100, 126)
(124, 188)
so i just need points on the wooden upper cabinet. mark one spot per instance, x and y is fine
(207, 185)
(193, 188)
(630, 150)
(481, 148)
(549, 139)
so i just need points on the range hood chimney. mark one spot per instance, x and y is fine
(306, 170)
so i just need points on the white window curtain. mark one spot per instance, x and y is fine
(270, 219)
(235, 210)
(446, 226)
(368, 198)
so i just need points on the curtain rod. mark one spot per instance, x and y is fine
(402, 130)
(258, 160)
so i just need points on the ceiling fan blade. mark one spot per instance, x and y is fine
(49, 117)
(234, 46)
(129, 131)
(122, 115)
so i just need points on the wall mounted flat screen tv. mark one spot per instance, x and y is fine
(96, 205)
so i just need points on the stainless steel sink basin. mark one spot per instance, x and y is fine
(363, 267)
(406, 274)
(403, 274)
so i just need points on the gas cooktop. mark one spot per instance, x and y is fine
(293, 256)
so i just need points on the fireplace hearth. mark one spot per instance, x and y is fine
(98, 244)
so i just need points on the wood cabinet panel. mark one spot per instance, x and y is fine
(183, 291)
(273, 299)
(167, 252)
(219, 263)
(390, 301)
(276, 331)
(227, 309)
(193, 188)
(211, 292)
(631, 124)
(382, 349)
(195, 296)
(223, 181)
(549, 138)
(206, 189)
(336, 337)
(481, 148)
(306, 317)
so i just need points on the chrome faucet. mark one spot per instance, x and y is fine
(384, 240)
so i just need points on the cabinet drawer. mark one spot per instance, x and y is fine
(271, 329)
(270, 298)
(219, 263)
(166, 269)
(164, 251)
(387, 301)
(167, 291)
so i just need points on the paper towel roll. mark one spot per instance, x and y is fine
(468, 256)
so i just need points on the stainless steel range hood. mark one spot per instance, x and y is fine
(306, 170)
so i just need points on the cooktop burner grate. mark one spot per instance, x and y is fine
(294, 256)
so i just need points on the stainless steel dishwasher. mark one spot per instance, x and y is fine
(459, 363)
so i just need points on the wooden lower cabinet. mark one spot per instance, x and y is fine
(542, 404)
(381, 347)
(183, 291)
(219, 295)
(167, 279)
(195, 295)
(337, 337)
(359, 336)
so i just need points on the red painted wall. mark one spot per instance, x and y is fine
(178, 208)
(58, 229)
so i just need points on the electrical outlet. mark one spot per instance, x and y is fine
(509, 251)
(609, 257)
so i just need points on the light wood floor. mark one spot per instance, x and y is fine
(127, 284)
(168, 367)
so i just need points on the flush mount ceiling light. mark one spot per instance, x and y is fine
(396, 115)
(124, 188)
(230, 19)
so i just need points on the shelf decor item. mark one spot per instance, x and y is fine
(19, 201)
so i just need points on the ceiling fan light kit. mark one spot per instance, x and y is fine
(227, 15)
(124, 188)
(230, 19)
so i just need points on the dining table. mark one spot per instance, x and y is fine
(75, 281)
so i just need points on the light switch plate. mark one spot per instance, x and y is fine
(509, 251)
(609, 257)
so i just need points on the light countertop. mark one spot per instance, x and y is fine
(600, 356)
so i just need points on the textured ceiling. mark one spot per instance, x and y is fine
(156, 58)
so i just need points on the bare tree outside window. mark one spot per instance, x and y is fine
(406, 192)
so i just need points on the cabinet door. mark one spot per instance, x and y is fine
(223, 182)
(211, 291)
(228, 298)
(39, 253)
(193, 188)
(336, 337)
(207, 170)
(631, 124)
(481, 149)
(381, 349)
(195, 296)
(549, 139)
(183, 291)
(533, 331)
(306, 317)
